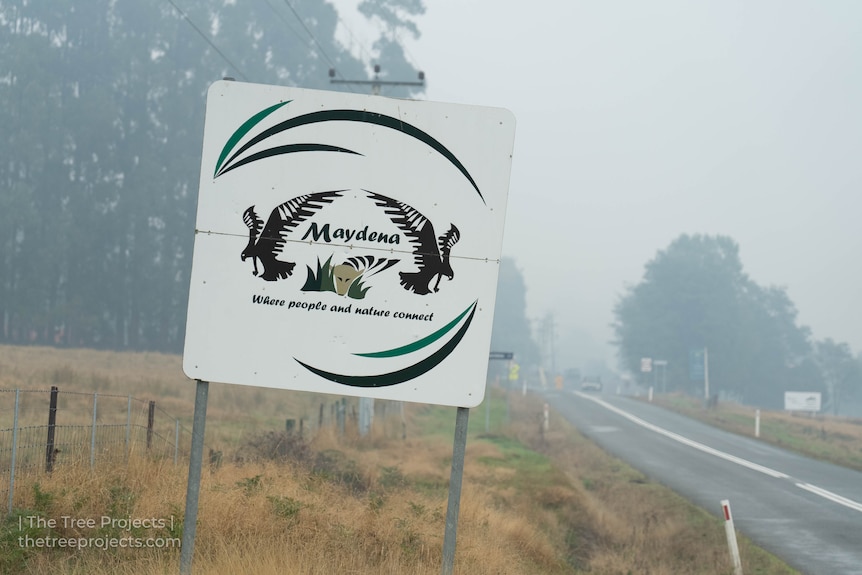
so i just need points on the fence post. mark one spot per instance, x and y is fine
(176, 440)
(52, 422)
(403, 422)
(151, 417)
(128, 424)
(93, 434)
(545, 418)
(14, 451)
(341, 410)
(487, 409)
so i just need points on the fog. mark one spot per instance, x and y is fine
(638, 122)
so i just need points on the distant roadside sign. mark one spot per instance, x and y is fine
(514, 372)
(347, 244)
(802, 401)
(646, 364)
(501, 355)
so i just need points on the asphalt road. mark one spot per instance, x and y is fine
(807, 512)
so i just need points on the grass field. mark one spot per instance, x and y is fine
(837, 440)
(533, 502)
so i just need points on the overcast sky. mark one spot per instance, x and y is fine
(641, 121)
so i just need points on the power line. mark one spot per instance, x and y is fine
(294, 32)
(208, 41)
(367, 54)
(403, 45)
(353, 36)
(311, 34)
(283, 19)
(376, 83)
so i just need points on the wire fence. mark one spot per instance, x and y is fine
(44, 428)
(40, 429)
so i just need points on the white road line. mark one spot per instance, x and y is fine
(830, 496)
(849, 503)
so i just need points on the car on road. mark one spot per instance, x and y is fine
(591, 383)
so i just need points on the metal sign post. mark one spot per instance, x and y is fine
(193, 489)
(458, 450)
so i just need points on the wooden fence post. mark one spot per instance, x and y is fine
(52, 423)
(151, 417)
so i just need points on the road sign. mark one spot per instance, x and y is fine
(646, 364)
(347, 244)
(514, 372)
(501, 355)
(802, 401)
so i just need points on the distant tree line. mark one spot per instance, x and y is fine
(512, 332)
(101, 104)
(694, 295)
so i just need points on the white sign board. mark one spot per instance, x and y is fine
(646, 364)
(347, 244)
(802, 400)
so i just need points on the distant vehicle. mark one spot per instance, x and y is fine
(571, 378)
(591, 383)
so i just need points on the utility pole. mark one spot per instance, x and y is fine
(552, 328)
(547, 344)
(706, 373)
(366, 404)
(376, 83)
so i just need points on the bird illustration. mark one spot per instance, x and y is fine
(430, 254)
(266, 242)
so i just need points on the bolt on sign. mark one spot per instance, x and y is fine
(347, 244)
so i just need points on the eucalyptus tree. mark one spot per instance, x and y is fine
(841, 373)
(511, 332)
(102, 105)
(695, 295)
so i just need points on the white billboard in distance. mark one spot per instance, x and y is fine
(347, 244)
(802, 401)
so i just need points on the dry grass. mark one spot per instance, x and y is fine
(532, 503)
(236, 411)
(824, 437)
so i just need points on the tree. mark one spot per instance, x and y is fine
(695, 295)
(511, 328)
(841, 372)
(102, 106)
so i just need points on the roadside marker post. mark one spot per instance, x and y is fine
(351, 245)
(731, 537)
